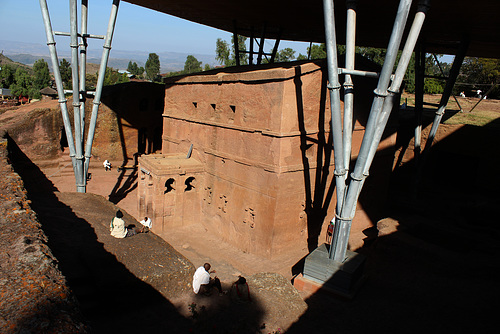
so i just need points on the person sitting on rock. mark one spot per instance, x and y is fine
(107, 165)
(146, 224)
(118, 228)
(240, 291)
(203, 283)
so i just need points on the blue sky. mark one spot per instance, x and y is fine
(137, 28)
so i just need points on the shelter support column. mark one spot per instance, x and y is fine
(100, 81)
(341, 269)
(76, 136)
(448, 89)
(452, 78)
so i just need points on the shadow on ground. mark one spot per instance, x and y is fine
(111, 297)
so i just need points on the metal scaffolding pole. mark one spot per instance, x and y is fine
(79, 175)
(334, 89)
(394, 89)
(100, 81)
(76, 140)
(344, 216)
(442, 73)
(236, 44)
(455, 69)
(57, 76)
(83, 63)
(348, 84)
(419, 99)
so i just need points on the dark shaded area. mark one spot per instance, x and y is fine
(112, 298)
(439, 270)
(138, 105)
(299, 21)
(316, 205)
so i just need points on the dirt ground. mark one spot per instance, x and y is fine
(431, 268)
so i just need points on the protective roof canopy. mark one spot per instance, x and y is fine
(447, 22)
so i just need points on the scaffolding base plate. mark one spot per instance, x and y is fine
(344, 277)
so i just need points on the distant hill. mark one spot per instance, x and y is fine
(4, 60)
(28, 53)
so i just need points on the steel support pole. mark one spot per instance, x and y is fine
(442, 73)
(236, 44)
(419, 99)
(261, 45)
(275, 48)
(83, 64)
(79, 170)
(485, 95)
(250, 60)
(334, 89)
(100, 82)
(344, 219)
(394, 89)
(57, 76)
(350, 54)
(452, 78)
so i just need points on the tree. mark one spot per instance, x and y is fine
(140, 72)
(285, 55)
(192, 65)
(135, 69)
(207, 67)
(42, 74)
(317, 51)
(153, 67)
(90, 82)
(6, 76)
(228, 58)
(66, 75)
(222, 52)
(22, 85)
(132, 67)
(242, 48)
(112, 77)
(480, 73)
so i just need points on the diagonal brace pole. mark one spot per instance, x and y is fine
(57, 76)
(100, 82)
(344, 216)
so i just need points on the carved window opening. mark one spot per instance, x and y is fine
(189, 183)
(169, 185)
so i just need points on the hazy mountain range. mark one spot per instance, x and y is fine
(28, 53)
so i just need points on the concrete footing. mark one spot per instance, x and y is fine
(342, 278)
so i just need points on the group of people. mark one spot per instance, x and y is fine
(119, 230)
(203, 283)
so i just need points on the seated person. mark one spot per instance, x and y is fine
(146, 224)
(203, 283)
(107, 165)
(118, 228)
(240, 291)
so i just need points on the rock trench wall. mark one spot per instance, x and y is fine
(34, 297)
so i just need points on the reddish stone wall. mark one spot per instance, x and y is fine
(34, 297)
(262, 137)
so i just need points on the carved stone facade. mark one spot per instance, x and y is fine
(261, 159)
